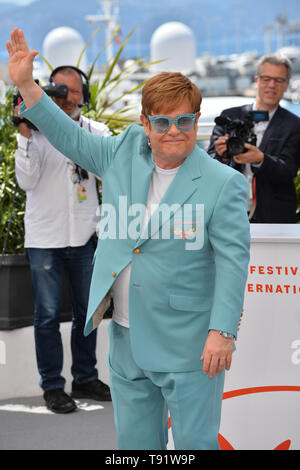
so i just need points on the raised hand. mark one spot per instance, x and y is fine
(20, 58)
(21, 67)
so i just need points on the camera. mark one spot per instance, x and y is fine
(59, 90)
(240, 131)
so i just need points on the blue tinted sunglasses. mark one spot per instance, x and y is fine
(183, 122)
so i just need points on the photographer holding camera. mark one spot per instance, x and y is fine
(269, 156)
(60, 221)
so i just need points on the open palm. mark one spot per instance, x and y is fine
(20, 58)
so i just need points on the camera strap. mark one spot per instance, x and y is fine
(81, 173)
(251, 213)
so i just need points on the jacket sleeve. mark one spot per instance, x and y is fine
(281, 155)
(90, 151)
(216, 133)
(27, 163)
(229, 235)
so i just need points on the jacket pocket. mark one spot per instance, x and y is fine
(190, 303)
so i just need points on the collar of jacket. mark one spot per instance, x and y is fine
(180, 190)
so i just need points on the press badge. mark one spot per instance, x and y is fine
(81, 193)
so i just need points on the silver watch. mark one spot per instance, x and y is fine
(226, 335)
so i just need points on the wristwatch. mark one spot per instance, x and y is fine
(226, 335)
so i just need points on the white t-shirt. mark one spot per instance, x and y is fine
(160, 181)
(60, 210)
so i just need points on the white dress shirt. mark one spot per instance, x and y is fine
(259, 129)
(55, 216)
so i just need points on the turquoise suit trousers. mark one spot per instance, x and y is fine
(142, 400)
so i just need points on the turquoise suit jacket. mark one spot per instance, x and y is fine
(176, 294)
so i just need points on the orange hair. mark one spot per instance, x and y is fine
(168, 90)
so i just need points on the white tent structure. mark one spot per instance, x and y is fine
(175, 43)
(63, 46)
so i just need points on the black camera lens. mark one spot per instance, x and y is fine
(57, 90)
(235, 146)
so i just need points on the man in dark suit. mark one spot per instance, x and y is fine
(271, 165)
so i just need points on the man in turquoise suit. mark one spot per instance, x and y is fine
(173, 249)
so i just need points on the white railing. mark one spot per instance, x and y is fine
(204, 133)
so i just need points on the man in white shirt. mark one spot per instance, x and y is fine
(60, 220)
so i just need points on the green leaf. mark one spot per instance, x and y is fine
(86, 45)
(46, 62)
(102, 50)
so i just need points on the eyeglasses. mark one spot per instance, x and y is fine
(278, 80)
(183, 122)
